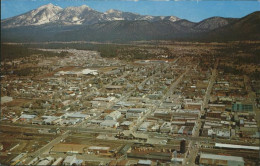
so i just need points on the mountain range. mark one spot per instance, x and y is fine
(82, 15)
(53, 23)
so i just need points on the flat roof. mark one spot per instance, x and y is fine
(109, 122)
(27, 116)
(98, 148)
(236, 146)
(242, 107)
(64, 148)
(221, 157)
(126, 123)
(146, 162)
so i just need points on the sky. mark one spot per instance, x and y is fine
(195, 10)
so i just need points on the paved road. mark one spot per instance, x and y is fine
(252, 99)
(157, 105)
(192, 151)
(46, 147)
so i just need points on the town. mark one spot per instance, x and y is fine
(81, 108)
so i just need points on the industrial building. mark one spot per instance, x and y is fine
(212, 159)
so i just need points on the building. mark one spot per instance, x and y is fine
(238, 107)
(126, 125)
(98, 149)
(223, 133)
(232, 146)
(46, 161)
(57, 162)
(166, 127)
(78, 115)
(27, 117)
(163, 115)
(212, 159)
(69, 148)
(89, 72)
(182, 146)
(192, 105)
(181, 130)
(109, 123)
(70, 121)
(214, 114)
(217, 107)
(49, 120)
(144, 126)
(69, 160)
(144, 163)
(6, 99)
(113, 115)
(135, 112)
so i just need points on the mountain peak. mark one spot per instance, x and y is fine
(49, 6)
(85, 6)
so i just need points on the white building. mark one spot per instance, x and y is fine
(181, 130)
(223, 133)
(109, 123)
(27, 117)
(113, 115)
(89, 72)
(46, 161)
(69, 160)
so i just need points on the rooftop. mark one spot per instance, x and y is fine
(237, 146)
(145, 162)
(221, 157)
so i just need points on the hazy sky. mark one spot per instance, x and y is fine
(190, 10)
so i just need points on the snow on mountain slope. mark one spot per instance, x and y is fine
(74, 16)
(42, 15)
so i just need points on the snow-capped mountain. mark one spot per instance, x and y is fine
(82, 15)
(42, 15)
(53, 23)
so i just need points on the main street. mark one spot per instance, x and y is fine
(192, 149)
(168, 93)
